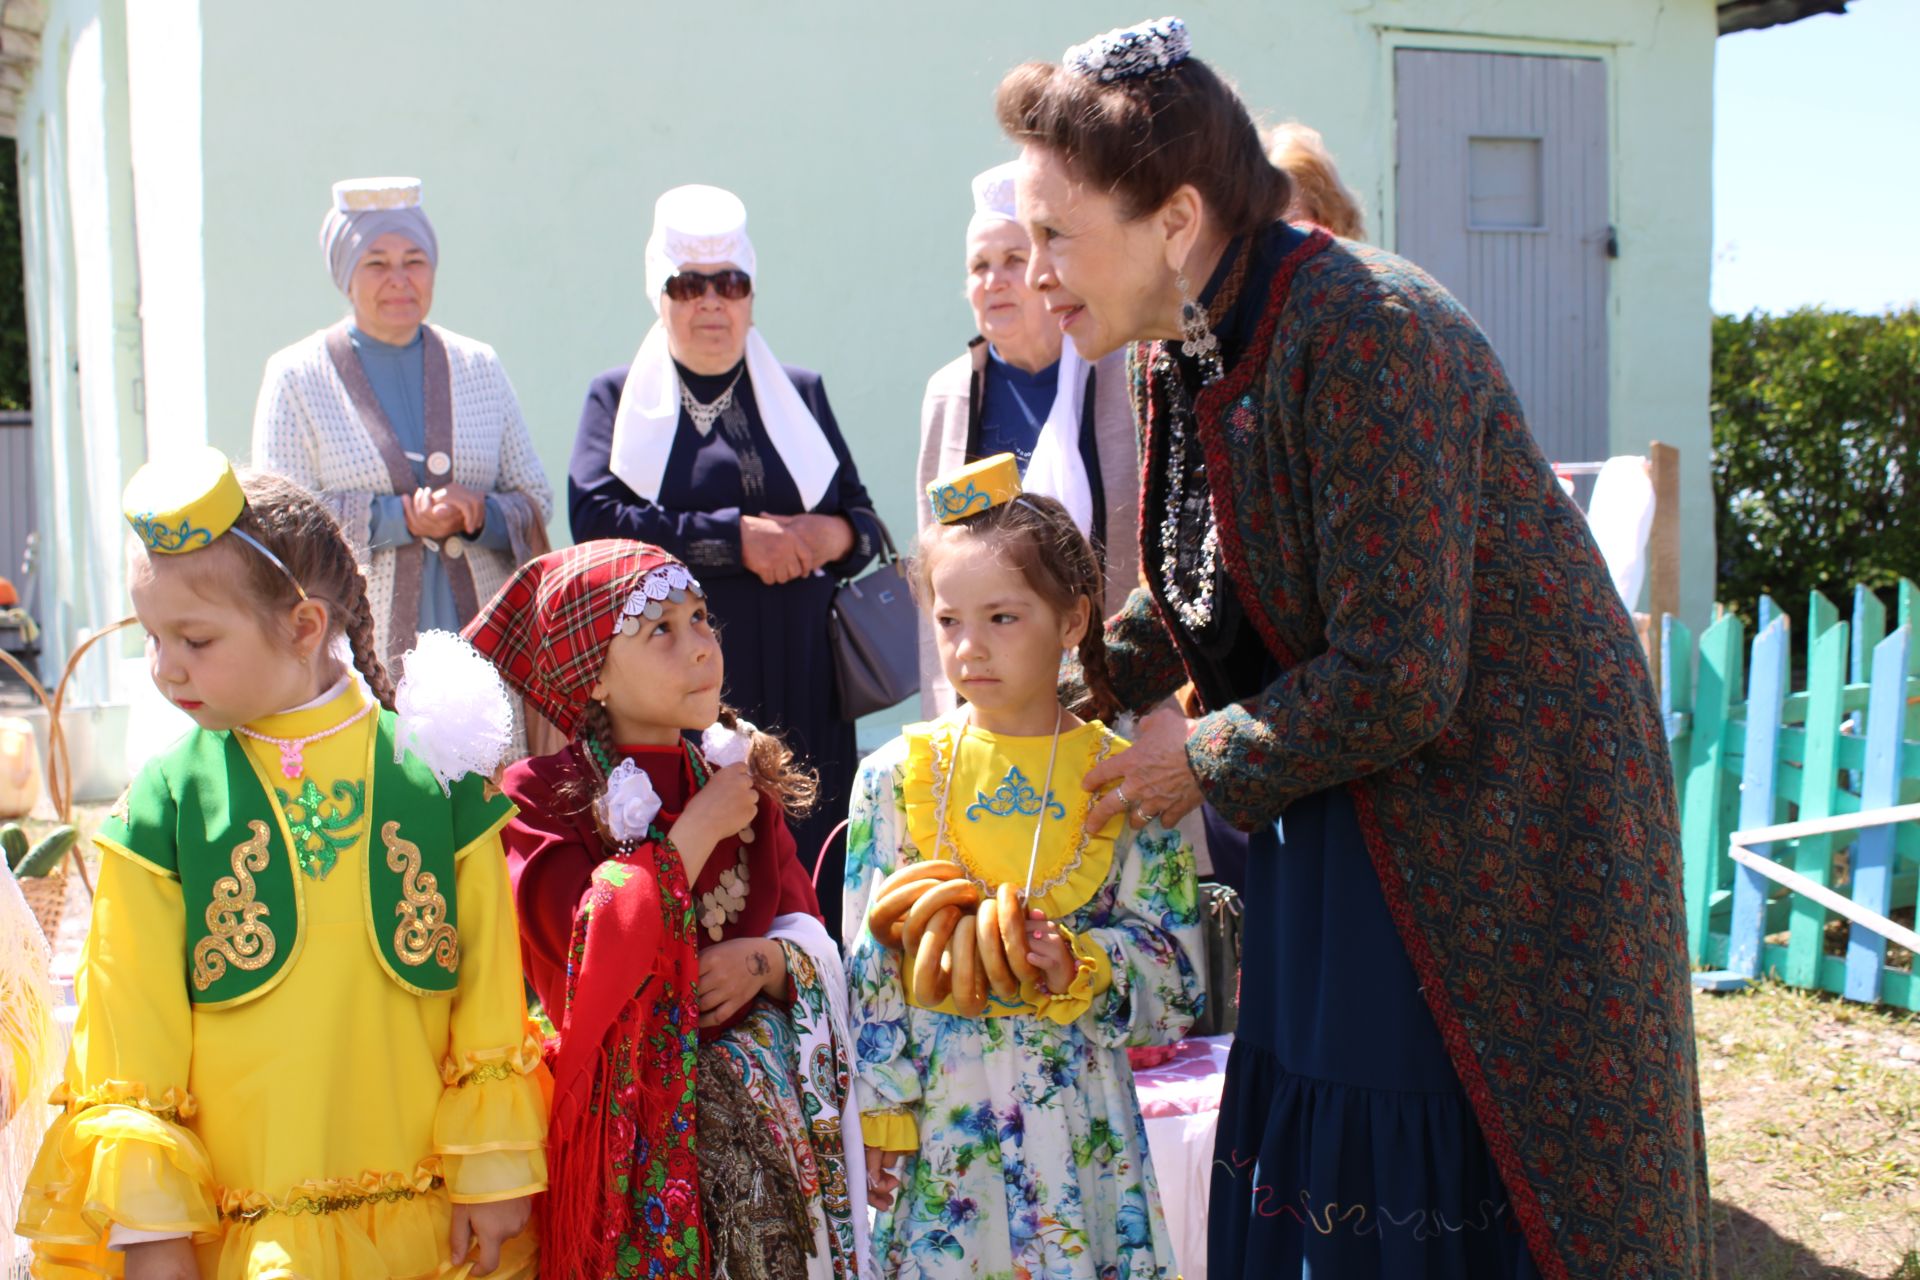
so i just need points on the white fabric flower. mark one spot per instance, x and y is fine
(631, 803)
(723, 746)
(454, 711)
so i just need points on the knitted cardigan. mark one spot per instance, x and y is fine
(1455, 655)
(307, 428)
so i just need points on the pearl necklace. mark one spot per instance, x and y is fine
(293, 750)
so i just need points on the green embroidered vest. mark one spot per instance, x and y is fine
(203, 814)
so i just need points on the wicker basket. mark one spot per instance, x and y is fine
(47, 898)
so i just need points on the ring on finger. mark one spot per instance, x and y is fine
(1126, 803)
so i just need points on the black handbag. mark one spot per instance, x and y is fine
(1220, 928)
(873, 628)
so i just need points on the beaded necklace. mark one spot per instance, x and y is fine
(1188, 495)
(293, 750)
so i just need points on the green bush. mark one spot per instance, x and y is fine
(1816, 454)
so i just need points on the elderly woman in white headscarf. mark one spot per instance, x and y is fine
(708, 446)
(408, 432)
(1020, 388)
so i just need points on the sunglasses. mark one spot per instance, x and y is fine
(732, 284)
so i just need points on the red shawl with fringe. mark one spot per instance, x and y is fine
(611, 946)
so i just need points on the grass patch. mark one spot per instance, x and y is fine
(1813, 1135)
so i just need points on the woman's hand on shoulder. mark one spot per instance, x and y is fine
(1150, 779)
(483, 1228)
(771, 551)
(728, 803)
(733, 973)
(161, 1260)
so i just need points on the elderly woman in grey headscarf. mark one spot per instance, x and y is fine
(409, 433)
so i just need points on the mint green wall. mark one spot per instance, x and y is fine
(850, 131)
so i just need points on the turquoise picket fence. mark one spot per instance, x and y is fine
(1750, 751)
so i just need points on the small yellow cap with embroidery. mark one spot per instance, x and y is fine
(184, 501)
(976, 487)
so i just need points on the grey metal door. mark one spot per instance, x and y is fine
(1501, 193)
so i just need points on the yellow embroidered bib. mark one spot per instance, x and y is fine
(978, 808)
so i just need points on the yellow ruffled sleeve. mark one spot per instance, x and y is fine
(890, 1129)
(118, 1152)
(490, 1129)
(1092, 976)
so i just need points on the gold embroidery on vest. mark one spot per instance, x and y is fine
(235, 934)
(423, 930)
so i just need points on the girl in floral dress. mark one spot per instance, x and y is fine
(1006, 1140)
(674, 939)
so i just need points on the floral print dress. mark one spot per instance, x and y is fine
(1029, 1155)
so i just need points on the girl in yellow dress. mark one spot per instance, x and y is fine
(301, 1047)
(1001, 956)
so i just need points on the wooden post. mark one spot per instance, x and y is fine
(1663, 544)
(1703, 817)
(1873, 856)
(1766, 691)
(1819, 786)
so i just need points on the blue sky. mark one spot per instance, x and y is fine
(1816, 162)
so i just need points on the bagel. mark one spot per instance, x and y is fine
(931, 869)
(948, 893)
(1013, 932)
(929, 983)
(890, 908)
(963, 965)
(991, 953)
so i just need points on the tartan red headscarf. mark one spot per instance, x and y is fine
(548, 628)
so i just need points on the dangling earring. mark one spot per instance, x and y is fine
(1201, 344)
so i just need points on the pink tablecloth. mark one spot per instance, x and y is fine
(1180, 1100)
(1187, 1084)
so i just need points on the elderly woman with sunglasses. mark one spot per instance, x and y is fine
(709, 447)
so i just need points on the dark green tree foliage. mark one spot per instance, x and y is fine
(1816, 455)
(15, 384)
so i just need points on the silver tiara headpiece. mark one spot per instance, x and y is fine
(1129, 52)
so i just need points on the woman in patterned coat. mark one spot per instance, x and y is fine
(1465, 1043)
(409, 433)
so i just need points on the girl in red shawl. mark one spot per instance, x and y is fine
(674, 940)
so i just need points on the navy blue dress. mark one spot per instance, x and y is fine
(774, 638)
(1347, 1148)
